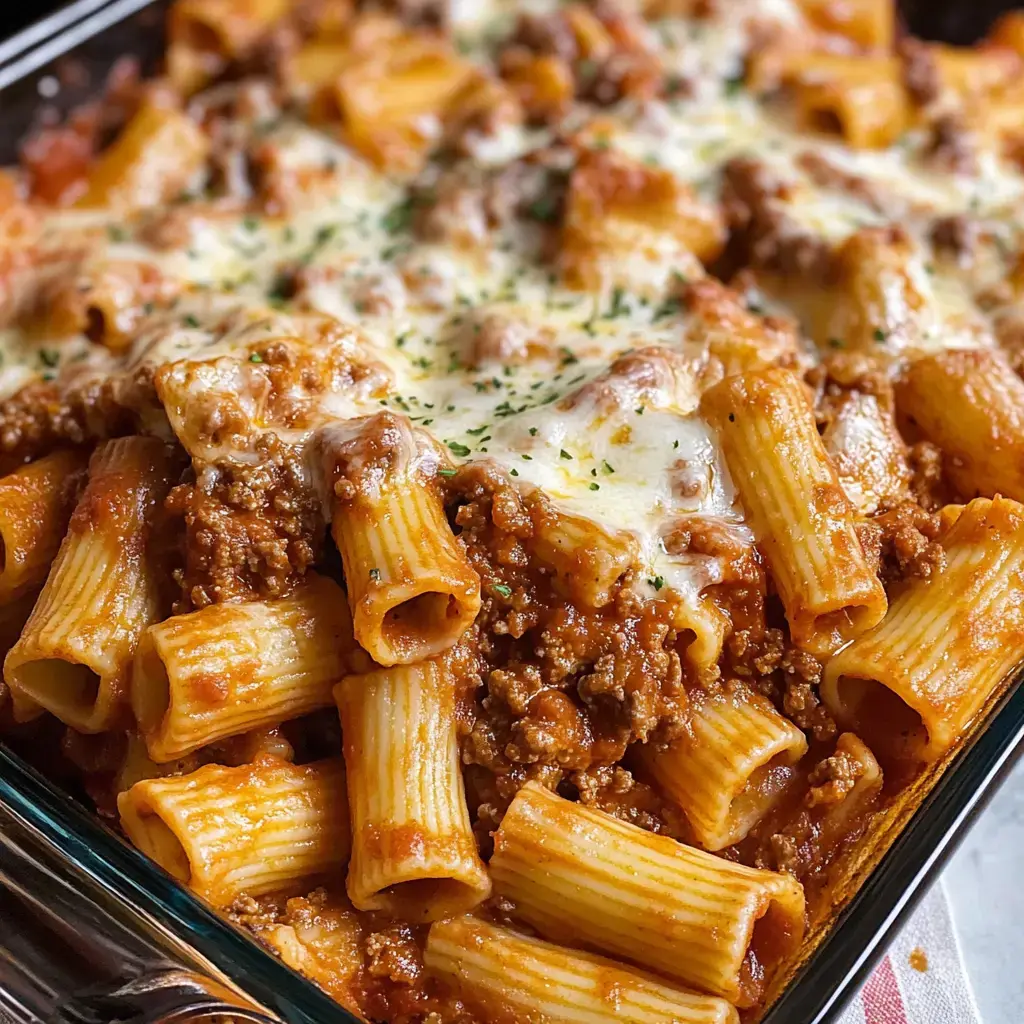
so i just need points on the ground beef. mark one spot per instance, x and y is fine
(827, 174)
(565, 686)
(43, 417)
(957, 235)
(250, 531)
(761, 232)
(907, 545)
(928, 484)
(951, 146)
(787, 675)
(615, 791)
(920, 71)
(832, 779)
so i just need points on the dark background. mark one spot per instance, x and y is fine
(960, 21)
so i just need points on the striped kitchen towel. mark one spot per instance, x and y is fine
(922, 979)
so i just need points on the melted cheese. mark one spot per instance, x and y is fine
(635, 466)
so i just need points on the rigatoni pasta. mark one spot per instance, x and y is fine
(74, 654)
(35, 505)
(736, 760)
(413, 851)
(580, 876)
(801, 518)
(971, 403)
(492, 967)
(264, 827)
(912, 685)
(411, 589)
(228, 668)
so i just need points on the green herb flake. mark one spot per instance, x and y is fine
(447, 472)
(607, 467)
(459, 449)
(49, 357)
(563, 454)
(733, 86)
(190, 321)
(543, 209)
(399, 217)
(255, 358)
(595, 487)
(836, 343)
(879, 335)
(670, 307)
(619, 306)
(533, 431)
(502, 589)
(658, 582)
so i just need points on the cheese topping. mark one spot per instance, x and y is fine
(481, 345)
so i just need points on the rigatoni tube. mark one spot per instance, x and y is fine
(230, 668)
(735, 761)
(269, 826)
(413, 850)
(971, 404)
(911, 686)
(803, 521)
(581, 876)
(411, 588)
(35, 505)
(503, 975)
(101, 593)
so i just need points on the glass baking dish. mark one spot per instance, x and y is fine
(886, 883)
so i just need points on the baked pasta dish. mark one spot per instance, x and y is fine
(508, 500)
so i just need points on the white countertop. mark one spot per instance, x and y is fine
(985, 883)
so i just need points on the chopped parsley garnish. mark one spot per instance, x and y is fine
(563, 454)
(477, 431)
(459, 449)
(639, 410)
(544, 209)
(533, 431)
(879, 334)
(619, 306)
(668, 308)
(399, 217)
(595, 487)
(658, 582)
(733, 86)
(49, 357)
(836, 343)
(502, 589)
(446, 472)
(190, 321)
(606, 466)
(255, 358)
(513, 471)
(323, 235)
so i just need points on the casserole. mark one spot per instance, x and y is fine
(812, 632)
